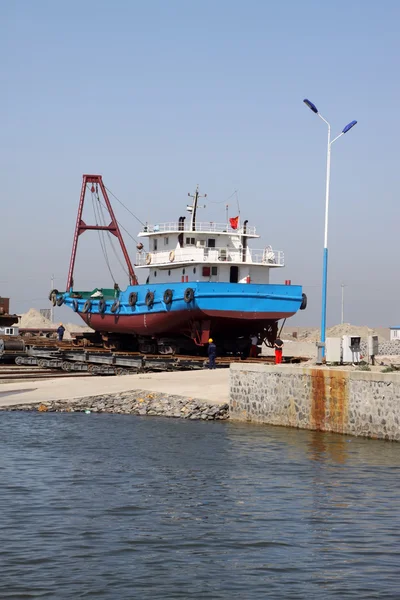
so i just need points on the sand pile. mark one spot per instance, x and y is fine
(345, 329)
(312, 335)
(34, 320)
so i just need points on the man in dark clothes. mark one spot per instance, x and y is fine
(60, 332)
(212, 354)
(278, 351)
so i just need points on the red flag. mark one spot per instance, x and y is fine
(234, 221)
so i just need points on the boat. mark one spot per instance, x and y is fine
(203, 280)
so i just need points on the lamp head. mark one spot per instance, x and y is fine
(310, 105)
(349, 126)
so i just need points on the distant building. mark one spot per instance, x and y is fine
(395, 333)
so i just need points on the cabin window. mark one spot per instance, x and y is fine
(183, 271)
(155, 244)
(166, 241)
(194, 269)
(169, 272)
(155, 273)
(214, 271)
(211, 243)
(190, 241)
(206, 271)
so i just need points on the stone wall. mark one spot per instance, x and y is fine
(351, 402)
(138, 402)
(386, 347)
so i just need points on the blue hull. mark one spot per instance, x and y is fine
(224, 304)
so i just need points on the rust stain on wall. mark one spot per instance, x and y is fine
(338, 401)
(318, 391)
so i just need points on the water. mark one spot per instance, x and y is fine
(116, 507)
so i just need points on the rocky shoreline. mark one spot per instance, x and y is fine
(138, 402)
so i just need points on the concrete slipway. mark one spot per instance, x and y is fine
(209, 386)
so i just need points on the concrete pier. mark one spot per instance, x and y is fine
(342, 401)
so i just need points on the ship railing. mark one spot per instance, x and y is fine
(201, 227)
(266, 256)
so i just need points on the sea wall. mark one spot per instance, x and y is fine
(352, 402)
(138, 402)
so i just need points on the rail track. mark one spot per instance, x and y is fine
(48, 358)
(9, 374)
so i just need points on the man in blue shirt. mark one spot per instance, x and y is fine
(60, 332)
(212, 354)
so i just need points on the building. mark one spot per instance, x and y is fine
(395, 333)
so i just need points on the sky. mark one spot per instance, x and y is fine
(159, 96)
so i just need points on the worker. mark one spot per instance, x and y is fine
(253, 348)
(278, 345)
(212, 354)
(60, 332)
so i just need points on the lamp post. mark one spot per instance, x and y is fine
(311, 106)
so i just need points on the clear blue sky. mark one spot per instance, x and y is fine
(160, 95)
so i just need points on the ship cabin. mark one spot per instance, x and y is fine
(205, 251)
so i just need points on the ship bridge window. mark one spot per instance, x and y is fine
(211, 243)
(155, 244)
(190, 241)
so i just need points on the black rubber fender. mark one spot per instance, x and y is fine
(87, 306)
(168, 295)
(303, 304)
(102, 306)
(60, 301)
(188, 295)
(115, 306)
(149, 300)
(75, 305)
(53, 297)
(133, 298)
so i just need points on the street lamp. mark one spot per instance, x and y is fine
(314, 109)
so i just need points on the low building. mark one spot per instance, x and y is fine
(395, 333)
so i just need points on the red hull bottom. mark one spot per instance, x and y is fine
(231, 324)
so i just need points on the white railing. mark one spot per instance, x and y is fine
(267, 256)
(201, 227)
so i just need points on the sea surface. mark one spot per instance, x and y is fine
(116, 507)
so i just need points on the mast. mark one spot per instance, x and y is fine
(81, 227)
(193, 208)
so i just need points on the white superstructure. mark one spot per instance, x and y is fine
(205, 251)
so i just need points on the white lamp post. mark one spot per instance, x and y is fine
(312, 107)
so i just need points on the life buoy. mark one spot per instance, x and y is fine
(168, 294)
(303, 304)
(149, 300)
(188, 295)
(133, 298)
(115, 306)
(87, 306)
(60, 301)
(148, 259)
(102, 306)
(75, 305)
(172, 256)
